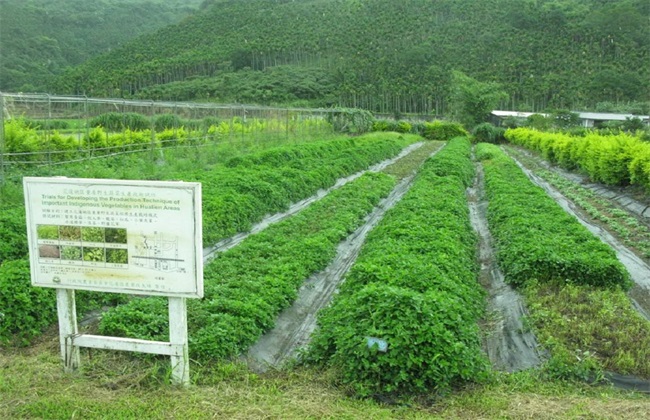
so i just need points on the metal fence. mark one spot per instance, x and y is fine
(73, 117)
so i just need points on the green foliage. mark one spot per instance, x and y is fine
(472, 100)
(353, 121)
(115, 235)
(588, 330)
(43, 38)
(620, 159)
(360, 54)
(120, 121)
(488, 133)
(247, 286)
(538, 122)
(413, 286)
(443, 130)
(92, 234)
(13, 234)
(94, 254)
(24, 310)
(535, 238)
(564, 119)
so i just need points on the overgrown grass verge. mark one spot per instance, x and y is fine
(247, 286)
(116, 386)
(413, 287)
(589, 328)
(618, 221)
(534, 237)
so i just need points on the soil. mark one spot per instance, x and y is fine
(507, 342)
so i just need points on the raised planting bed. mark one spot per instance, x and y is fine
(405, 319)
(534, 237)
(247, 286)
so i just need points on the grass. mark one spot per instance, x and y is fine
(119, 386)
(591, 323)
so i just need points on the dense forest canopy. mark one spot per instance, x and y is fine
(41, 38)
(385, 55)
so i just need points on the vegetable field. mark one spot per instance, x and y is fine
(408, 322)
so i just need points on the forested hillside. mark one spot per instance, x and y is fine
(385, 55)
(40, 38)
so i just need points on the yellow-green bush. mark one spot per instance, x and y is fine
(618, 159)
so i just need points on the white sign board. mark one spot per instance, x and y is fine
(136, 237)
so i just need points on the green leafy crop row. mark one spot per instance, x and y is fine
(534, 237)
(25, 311)
(620, 159)
(414, 286)
(252, 186)
(247, 286)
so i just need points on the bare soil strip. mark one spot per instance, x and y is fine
(233, 241)
(508, 344)
(638, 269)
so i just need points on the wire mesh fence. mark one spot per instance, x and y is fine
(42, 129)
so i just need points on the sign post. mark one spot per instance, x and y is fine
(134, 237)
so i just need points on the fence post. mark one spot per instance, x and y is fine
(153, 134)
(2, 139)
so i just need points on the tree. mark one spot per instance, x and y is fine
(472, 101)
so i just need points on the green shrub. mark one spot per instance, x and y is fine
(443, 130)
(612, 159)
(167, 121)
(25, 311)
(351, 120)
(119, 121)
(488, 133)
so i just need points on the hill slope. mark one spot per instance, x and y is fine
(40, 38)
(385, 55)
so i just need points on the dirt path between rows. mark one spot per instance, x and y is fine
(508, 344)
(639, 270)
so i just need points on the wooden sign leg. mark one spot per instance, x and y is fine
(178, 338)
(65, 304)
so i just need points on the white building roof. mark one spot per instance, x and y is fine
(515, 114)
(608, 116)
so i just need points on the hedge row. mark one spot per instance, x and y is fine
(534, 237)
(247, 286)
(414, 285)
(620, 159)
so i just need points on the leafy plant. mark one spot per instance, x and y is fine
(413, 287)
(94, 254)
(535, 238)
(92, 234)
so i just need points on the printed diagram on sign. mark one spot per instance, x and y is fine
(158, 252)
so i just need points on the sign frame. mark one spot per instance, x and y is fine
(158, 226)
(75, 197)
